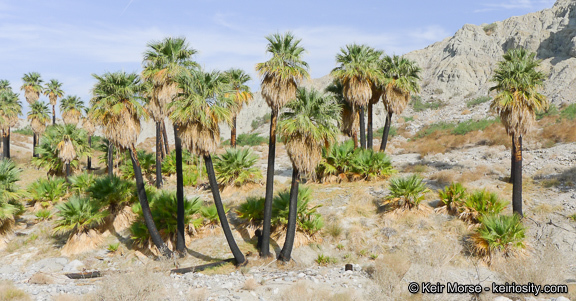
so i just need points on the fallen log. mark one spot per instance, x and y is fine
(200, 268)
(84, 275)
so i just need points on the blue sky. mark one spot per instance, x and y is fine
(70, 40)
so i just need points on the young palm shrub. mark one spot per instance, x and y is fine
(10, 194)
(210, 216)
(47, 192)
(335, 164)
(498, 234)
(165, 217)
(452, 198)
(116, 195)
(308, 221)
(479, 204)
(368, 164)
(406, 193)
(252, 212)
(147, 163)
(80, 183)
(79, 219)
(236, 166)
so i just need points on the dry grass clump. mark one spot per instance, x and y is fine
(564, 131)
(141, 284)
(445, 177)
(250, 284)
(387, 273)
(41, 278)
(8, 292)
(546, 209)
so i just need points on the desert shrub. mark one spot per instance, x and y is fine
(418, 105)
(26, 131)
(250, 140)
(406, 119)
(252, 211)
(141, 284)
(468, 126)
(163, 207)
(343, 161)
(569, 112)
(481, 203)
(498, 234)
(259, 121)
(477, 101)
(325, 260)
(489, 29)
(307, 219)
(236, 166)
(80, 183)
(392, 133)
(452, 198)
(113, 193)
(78, 214)
(407, 192)
(47, 191)
(435, 127)
(8, 292)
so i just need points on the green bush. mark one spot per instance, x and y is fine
(420, 106)
(370, 164)
(236, 166)
(499, 233)
(113, 193)
(80, 183)
(47, 190)
(43, 214)
(489, 29)
(307, 219)
(210, 214)
(26, 131)
(468, 126)
(480, 204)
(569, 112)
(477, 101)
(408, 192)
(78, 214)
(259, 121)
(248, 140)
(252, 211)
(435, 127)
(163, 207)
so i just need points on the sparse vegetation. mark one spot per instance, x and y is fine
(418, 105)
(259, 121)
(47, 191)
(325, 260)
(476, 101)
(489, 29)
(248, 140)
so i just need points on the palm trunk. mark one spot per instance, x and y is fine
(180, 240)
(5, 145)
(386, 131)
(233, 133)
(286, 252)
(148, 220)
(158, 156)
(89, 159)
(67, 171)
(517, 185)
(53, 115)
(110, 160)
(34, 145)
(362, 129)
(355, 139)
(512, 161)
(370, 134)
(160, 144)
(221, 213)
(265, 250)
(165, 136)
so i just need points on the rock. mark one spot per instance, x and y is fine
(501, 298)
(562, 299)
(49, 265)
(74, 266)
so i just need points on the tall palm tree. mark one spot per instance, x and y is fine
(32, 86)
(90, 128)
(311, 123)
(237, 80)
(357, 71)
(163, 62)
(280, 76)
(116, 109)
(4, 85)
(53, 90)
(517, 82)
(401, 78)
(197, 111)
(10, 109)
(71, 108)
(38, 116)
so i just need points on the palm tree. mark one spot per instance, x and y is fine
(237, 80)
(10, 109)
(38, 116)
(32, 86)
(53, 90)
(90, 128)
(197, 111)
(71, 108)
(280, 76)
(357, 71)
(115, 108)
(311, 123)
(163, 62)
(4, 85)
(349, 124)
(401, 78)
(517, 83)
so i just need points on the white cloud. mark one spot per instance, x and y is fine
(516, 4)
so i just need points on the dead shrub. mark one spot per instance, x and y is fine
(301, 291)
(141, 284)
(250, 284)
(8, 292)
(444, 177)
(41, 278)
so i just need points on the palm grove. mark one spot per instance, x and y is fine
(173, 87)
